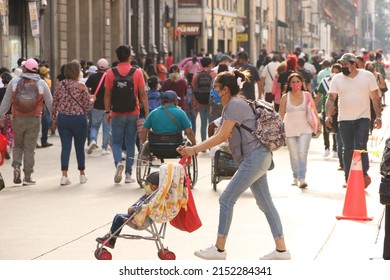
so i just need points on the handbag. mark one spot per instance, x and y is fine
(187, 219)
(311, 115)
(384, 191)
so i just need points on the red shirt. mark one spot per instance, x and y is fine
(139, 82)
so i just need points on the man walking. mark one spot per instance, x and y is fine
(248, 89)
(26, 94)
(354, 88)
(124, 90)
(267, 78)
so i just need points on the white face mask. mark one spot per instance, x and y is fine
(332, 75)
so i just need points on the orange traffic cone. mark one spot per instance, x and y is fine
(355, 200)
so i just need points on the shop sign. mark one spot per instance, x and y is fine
(189, 29)
(242, 37)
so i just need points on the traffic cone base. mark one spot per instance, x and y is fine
(355, 200)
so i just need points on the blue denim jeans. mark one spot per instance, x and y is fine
(204, 113)
(298, 148)
(251, 173)
(192, 117)
(124, 130)
(354, 135)
(45, 124)
(69, 128)
(98, 118)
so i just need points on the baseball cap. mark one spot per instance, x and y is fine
(169, 96)
(326, 62)
(102, 64)
(347, 57)
(30, 64)
(225, 57)
(152, 81)
(44, 70)
(92, 69)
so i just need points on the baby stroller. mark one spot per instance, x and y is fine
(159, 207)
(223, 166)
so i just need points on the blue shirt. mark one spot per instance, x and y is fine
(161, 123)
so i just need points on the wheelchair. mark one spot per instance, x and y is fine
(159, 147)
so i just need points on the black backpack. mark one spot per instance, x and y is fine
(203, 87)
(123, 97)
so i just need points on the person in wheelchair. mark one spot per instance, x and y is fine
(168, 119)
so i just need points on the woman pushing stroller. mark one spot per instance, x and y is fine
(253, 159)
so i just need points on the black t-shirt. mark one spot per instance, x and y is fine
(283, 77)
(92, 83)
(306, 75)
(2, 93)
(248, 89)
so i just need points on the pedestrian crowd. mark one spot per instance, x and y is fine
(132, 97)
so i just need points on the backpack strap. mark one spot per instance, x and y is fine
(100, 83)
(131, 72)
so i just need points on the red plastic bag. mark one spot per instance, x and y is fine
(187, 220)
(3, 148)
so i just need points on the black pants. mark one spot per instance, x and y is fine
(386, 243)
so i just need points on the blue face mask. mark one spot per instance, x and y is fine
(214, 95)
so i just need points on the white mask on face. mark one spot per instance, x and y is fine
(332, 75)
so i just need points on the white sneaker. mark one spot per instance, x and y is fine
(128, 179)
(64, 181)
(105, 152)
(91, 147)
(211, 253)
(326, 153)
(295, 182)
(83, 179)
(335, 155)
(118, 173)
(275, 255)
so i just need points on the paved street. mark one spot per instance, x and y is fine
(53, 222)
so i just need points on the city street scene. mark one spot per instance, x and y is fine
(279, 108)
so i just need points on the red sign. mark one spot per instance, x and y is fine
(190, 29)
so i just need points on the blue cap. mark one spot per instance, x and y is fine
(169, 96)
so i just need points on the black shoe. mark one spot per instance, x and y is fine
(17, 179)
(38, 146)
(47, 144)
(103, 240)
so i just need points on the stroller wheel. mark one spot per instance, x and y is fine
(103, 254)
(169, 255)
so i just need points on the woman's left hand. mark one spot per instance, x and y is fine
(186, 151)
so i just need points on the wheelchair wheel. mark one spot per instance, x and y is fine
(143, 164)
(192, 171)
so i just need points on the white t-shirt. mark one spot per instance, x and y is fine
(354, 94)
(268, 82)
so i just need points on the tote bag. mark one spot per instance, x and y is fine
(188, 218)
(311, 115)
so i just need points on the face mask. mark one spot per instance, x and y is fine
(345, 71)
(332, 75)
(296, 87)
(147, 189)
(214, 94)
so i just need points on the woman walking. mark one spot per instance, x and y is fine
(254, 160)
(69, 113)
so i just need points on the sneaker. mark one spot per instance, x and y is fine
(326, 153)
(103, 240)
(128, 179)
(91, 147)
(83, 179)
(105, 152)
(302, 184)
(295, 182)
(28, 182)
(65, 181)
(17, 179)
(334, 154)
(118, 173)
(211, 253)
(367, 181)
(341, 168)
(275, 255)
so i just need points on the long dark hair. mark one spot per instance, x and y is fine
(288, 87)
(230, 80)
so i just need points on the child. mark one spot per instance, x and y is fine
(151, 184)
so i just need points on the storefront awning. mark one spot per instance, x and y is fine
(280, 23)
(327, 13)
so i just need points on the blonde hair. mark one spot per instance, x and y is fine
(72, 70)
